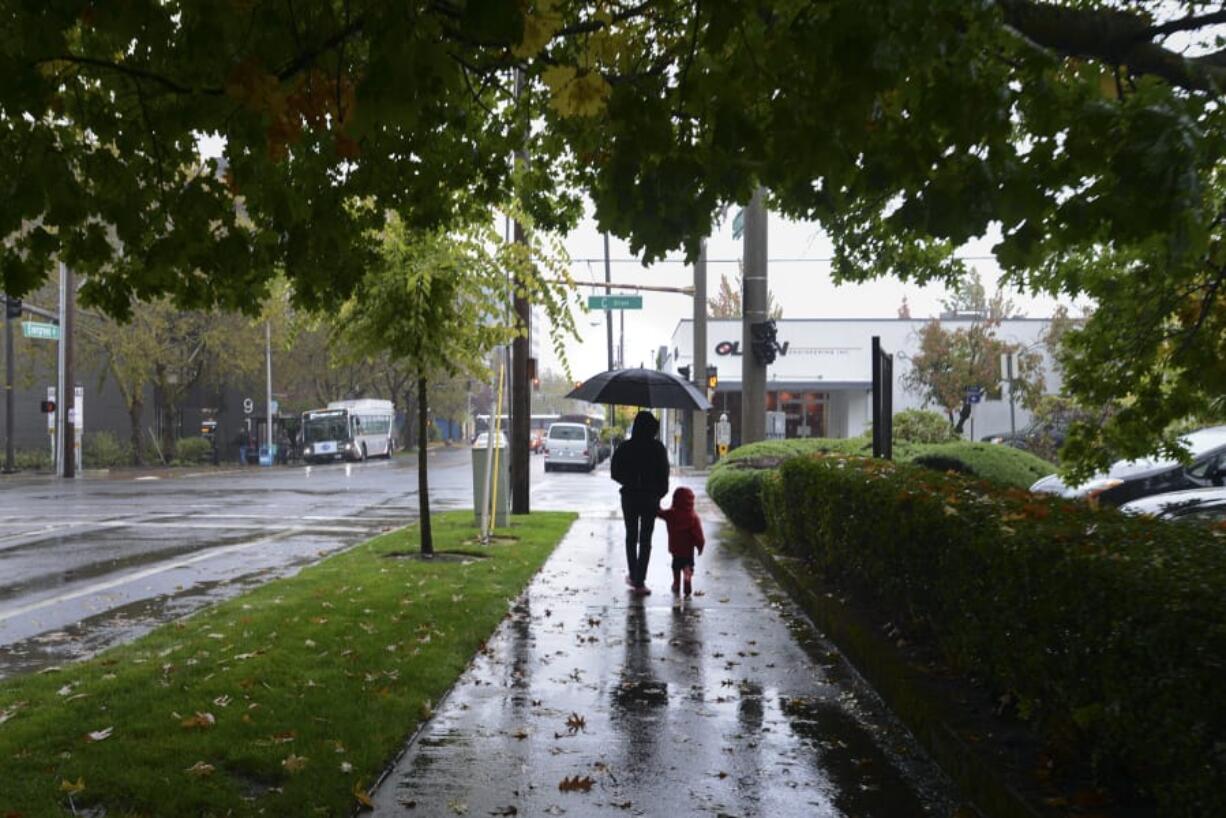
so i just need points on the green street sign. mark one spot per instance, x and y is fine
(738, 224)
(44, 332)
(615, 302)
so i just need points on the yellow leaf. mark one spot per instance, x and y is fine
(201, 720)
(294, 763)
(201, 769)
(362, 798)
(540, 24)
(71, 788)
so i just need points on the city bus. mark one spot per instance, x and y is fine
(348, 430)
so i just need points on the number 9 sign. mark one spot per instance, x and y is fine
(248, 406)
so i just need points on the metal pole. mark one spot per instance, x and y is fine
(699, 419)
(69, 395)
(753, 373)
(621, 341)
(61, 404)
(608, 321)
(9, 455)
(268, 434)
(521, 395)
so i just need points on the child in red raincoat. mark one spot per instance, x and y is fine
(684, 537)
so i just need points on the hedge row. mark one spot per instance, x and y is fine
(1107, 631)
(736, 482)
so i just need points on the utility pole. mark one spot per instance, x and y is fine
(521, 394)
(69, 395)
(753, 299)
(608, 320)
(9, 466)
(268, 435)
(698, 420)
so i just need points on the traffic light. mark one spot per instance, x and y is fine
(764, 338)
(47, 407)
(684, 372)
(12, 307)
(712, 377)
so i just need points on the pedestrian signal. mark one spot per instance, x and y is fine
(47, 407)
(712, 377)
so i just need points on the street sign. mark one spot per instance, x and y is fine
(44, 332)
(248, 406)
(974, 394)
(738, 224)
(615, 302)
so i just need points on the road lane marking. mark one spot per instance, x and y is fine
(144, 574)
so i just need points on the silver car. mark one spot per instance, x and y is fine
(570, 445)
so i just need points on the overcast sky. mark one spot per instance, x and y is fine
(799, 275)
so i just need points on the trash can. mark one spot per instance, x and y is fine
(499, 480)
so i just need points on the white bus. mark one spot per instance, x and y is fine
(349, 430)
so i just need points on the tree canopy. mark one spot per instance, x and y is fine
(1088, 135)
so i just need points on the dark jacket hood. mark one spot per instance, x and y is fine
(683, 499)
(645, 426)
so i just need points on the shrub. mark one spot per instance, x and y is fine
(740, 499)
(103, 450)
(193, 450)
(32, 459)
(922, 426)
(1108, 631)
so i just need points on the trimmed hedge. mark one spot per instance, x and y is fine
(1108, 631)
(735, 483)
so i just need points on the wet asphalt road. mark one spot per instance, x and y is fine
(727, 704)
(88, 563)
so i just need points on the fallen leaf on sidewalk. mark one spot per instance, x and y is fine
(575, 723)
(508, 810)
(575, 783)
(458, 807)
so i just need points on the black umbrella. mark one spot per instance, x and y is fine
(641, 387)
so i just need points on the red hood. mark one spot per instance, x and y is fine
(683, 498)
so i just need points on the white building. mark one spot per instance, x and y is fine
(822, 379)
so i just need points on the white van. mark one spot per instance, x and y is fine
(570, 444)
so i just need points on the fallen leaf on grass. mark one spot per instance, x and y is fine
(346, 767)
(72, 788)
(201, 720)
(575, 783)
(294, 763)
(222, 701)
(201, 769)
(359, 795)
(285, 737)
(100, 735)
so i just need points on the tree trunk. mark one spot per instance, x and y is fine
(963, 415)
(135, 410)
(423, 482)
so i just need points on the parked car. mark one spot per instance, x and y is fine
(570, 445)
(1131, 479)
(1192, 504)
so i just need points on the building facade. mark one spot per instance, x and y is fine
(821, 381)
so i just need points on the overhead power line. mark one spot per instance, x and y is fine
(818, 259)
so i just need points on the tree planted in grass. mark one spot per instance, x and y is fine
(437, 302)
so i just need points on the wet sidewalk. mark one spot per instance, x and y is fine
(591, 702)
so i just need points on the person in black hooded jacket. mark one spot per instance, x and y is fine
(640, 465)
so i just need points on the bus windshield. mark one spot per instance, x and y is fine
(321, 426)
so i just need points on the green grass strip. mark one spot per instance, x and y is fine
(282, 701)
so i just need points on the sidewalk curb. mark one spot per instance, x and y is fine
(910, 694)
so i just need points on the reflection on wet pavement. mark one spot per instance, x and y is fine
(725, 704)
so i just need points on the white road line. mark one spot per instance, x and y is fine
(143, 574)
(314, 529)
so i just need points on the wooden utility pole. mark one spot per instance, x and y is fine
(753, 299)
